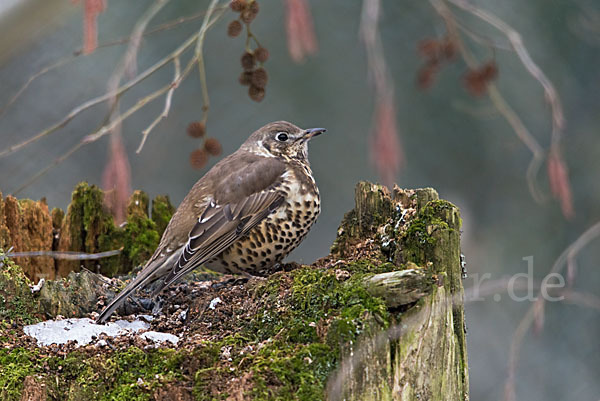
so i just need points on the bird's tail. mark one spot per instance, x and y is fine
(151, 272)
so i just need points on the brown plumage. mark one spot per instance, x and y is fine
(243, 216)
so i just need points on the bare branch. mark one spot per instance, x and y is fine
(121, 117)
(525, 136)
(68, 255)
(120, 90)
(107, 127)
(143, 101)
(100, 99)
(165, 112)
(484, 41)
(500, 103)
(134, 44)
(558, 120)
(79, 52)
(199, 57)
(582, 299)
(44, 170)
(517, 340)
(32, 78)
(162, 27)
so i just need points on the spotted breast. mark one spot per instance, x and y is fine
(279, 233)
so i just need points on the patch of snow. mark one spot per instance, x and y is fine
(80, 330)
(136, 325)
(214, 302)
(159, 337)
(38, 286)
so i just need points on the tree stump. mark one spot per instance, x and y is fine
(380, 318)
(423, 355)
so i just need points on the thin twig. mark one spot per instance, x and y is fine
(44, 170)
(515, 347)
(130, 56)
(32, 78)
(558, 120)
(200, 58)
(525, 136)
(54, 163)
(121, 117)
(485, 41)
(484, 289)
(100, 99)
(119, 91)
(143, 101)
(106, 127)
(68, 255)
(369, 34)
(582, 299)
(79, 52)
(127, 64)
(500, 103)
(165, 112)
(159, 28)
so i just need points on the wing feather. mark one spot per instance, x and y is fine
(221, 227)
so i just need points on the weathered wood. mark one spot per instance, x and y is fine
(422, 355)
(27, 225)
(400, 288)
(87, 227)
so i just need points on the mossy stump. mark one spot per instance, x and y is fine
(87, 227)
(380, 318)
(423, 354)
(27, 225)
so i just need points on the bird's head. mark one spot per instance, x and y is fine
(281, 139)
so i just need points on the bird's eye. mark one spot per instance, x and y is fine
(281, 136)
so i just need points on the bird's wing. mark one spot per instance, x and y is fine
(218, 227)
(244, 197)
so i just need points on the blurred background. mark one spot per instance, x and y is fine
(399, 105)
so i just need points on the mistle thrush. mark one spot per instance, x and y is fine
(243, 216)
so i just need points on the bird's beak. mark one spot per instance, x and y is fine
(309, 133)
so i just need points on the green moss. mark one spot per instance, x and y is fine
(132, 374)
(15, 365)
(141, 239)
(305, 318)
(162, 211)
(57, 216)
(138, 204)
(17, 305)
(124, 369)
(318, 294)
(301, 338)
(347, 232)
(92, 229)
(417, 239)
(88, 204)
(291, 372)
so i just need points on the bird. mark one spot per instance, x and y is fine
(244, 216)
